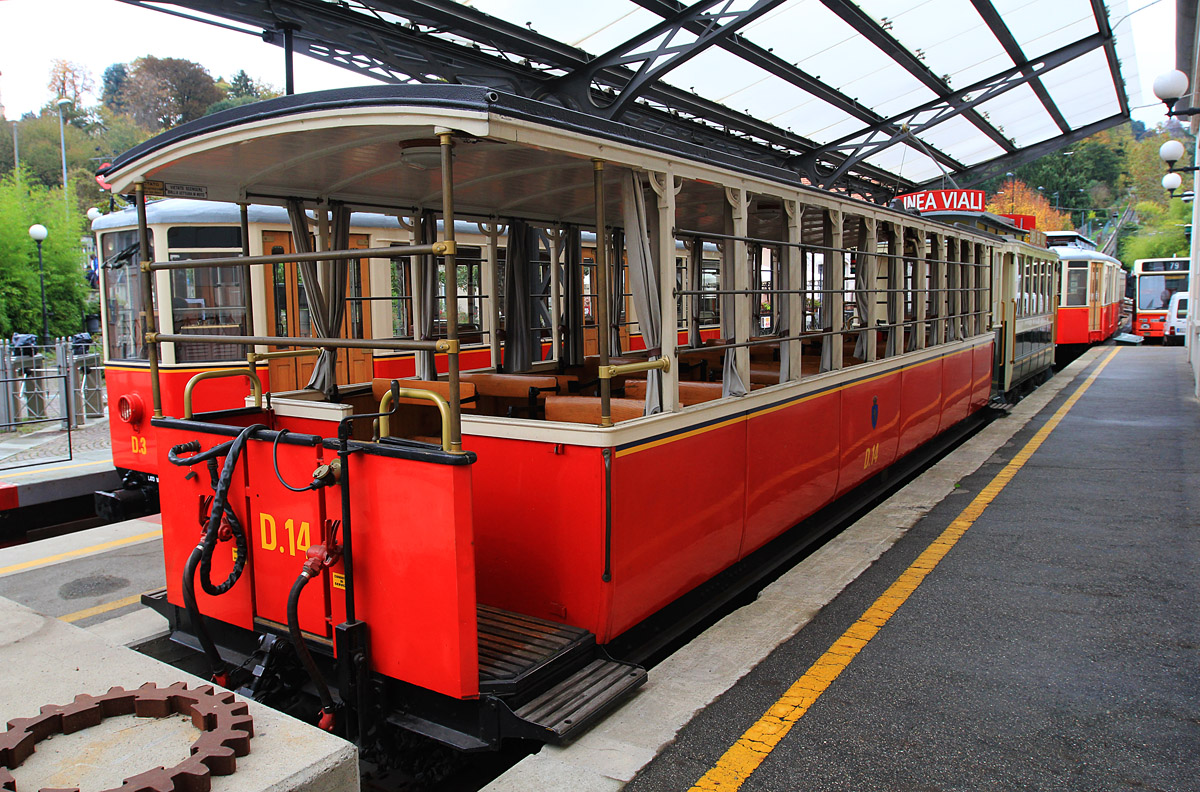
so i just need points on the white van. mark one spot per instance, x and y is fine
(1175, 327)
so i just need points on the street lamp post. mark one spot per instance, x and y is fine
(39, 233)
(62, 142)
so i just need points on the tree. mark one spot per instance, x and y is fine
(164, 92)
(23, 203)
(113, 85)
(242, 85)
(70, 81)
(1019, 198)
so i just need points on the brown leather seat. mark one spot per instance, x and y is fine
(689, 392)
(586, 409)
(508, 394)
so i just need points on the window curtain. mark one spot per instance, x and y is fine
(731, 381)
(326, 295)
(572, 315)
(425, 233)
(616, 291)
(695, 262)
(864, 280)
(643, 278)
(518, 321)
(782, 257)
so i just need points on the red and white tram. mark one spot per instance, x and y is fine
(1092, 288)
(1155, 281)
(467, 537)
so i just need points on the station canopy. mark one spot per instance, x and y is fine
(874, 98)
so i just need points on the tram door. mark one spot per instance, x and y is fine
(287, 304)
(1095, 284)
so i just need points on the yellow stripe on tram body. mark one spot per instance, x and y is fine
(756, 743)
(37, 562)
(98, 609)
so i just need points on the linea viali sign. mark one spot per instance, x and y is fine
(945, 200)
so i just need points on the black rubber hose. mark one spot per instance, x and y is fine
(293, 617)
(215, 662)
(221, 507)
(275, 462)
(192, 446)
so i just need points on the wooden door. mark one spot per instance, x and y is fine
(287, 308)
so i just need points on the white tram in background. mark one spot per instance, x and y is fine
(454, 546)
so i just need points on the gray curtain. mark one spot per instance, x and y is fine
(731, 381)
(616, 290)
(782, 257)
(895, 281)
(425, 233)
(518, 321)
(864, 282)
(695, 263)
(539, 275)
(643, 278)
(572, 315)
(326, 296)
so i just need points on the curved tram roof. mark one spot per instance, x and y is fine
(513, 157)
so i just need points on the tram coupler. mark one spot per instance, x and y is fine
(350, 643)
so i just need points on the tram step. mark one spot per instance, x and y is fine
(581, 698)
(519, 653)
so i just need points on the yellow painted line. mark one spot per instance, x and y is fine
(37, 562)
(98, 609)
(756, 743)
(4, 476)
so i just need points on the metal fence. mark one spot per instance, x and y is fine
(61, 382)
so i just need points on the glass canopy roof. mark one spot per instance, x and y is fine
(816, 79)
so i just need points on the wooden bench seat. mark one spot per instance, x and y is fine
(586, 409)
(511, 394)
(689, 392)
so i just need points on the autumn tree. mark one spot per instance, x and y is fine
(1017, 197)
(164, 92)
(70, 81)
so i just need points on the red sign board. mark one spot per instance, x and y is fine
(945, 200)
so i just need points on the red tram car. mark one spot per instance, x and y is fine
(1093, 286)
(466, 540)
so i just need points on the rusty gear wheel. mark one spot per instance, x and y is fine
(225, 722)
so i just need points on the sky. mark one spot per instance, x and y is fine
(97, 33)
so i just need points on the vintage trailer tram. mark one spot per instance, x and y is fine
(1092, 289)
(466, 541)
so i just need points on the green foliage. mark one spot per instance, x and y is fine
(230, 102)
(1160, 232)
(164, 92)
(113, 85)
(23, 202)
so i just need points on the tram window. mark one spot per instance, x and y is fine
(209, 301)
(123, 295)
(204, 237)
(1077, 283)
(402, 316)
(710, 281)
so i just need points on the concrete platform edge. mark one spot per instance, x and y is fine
(610, 754)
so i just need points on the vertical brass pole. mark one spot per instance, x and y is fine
(247, 292)
(602, 328)
(451, 290)
(149, 324)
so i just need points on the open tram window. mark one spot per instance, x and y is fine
(123, 295)
(402, 297)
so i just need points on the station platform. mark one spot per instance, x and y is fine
(1022, 616)
(47, 467)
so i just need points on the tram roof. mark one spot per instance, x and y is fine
(910, 90)
(346, 145)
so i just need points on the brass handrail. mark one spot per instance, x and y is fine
(608, 372)
(255, 386)
(254, 357)
(439, 401)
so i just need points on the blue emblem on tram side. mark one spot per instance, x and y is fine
(875, 412)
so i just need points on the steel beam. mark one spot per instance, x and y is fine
(997, 167)
(854, 16)
(1005, 37)
(850, 150)
(1100, 12)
